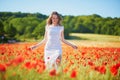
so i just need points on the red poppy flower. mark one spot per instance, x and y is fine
(28, 65)
(114, 70)
(73, 74)
(65, 70)
(41, 68)
(28, 49)
(18, 60)
(2, 68)
(102, 69)
(52, 72)
(90, 63)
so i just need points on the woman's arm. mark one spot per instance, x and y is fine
(66, 42)
(41, 42)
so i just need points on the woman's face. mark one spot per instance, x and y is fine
(55, 19)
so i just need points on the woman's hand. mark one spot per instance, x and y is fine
(32, 47)
(74, 46)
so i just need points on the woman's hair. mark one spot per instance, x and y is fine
(49, 20)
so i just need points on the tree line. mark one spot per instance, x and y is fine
(18, 25)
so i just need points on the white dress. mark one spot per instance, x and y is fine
(53, 47)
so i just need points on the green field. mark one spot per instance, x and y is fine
(94, 37)
(95, 40)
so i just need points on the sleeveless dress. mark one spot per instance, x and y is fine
(53, 47)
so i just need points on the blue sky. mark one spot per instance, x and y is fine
(105, 8)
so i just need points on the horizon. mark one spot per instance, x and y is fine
(60, 14)
(104, 8)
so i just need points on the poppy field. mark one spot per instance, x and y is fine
(18, 62)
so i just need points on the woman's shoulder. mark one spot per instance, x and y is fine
(61, 28)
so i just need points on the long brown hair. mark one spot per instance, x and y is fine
(49, 20)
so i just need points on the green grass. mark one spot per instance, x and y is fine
(94, 37)
(85, 37)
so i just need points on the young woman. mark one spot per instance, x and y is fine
(54, 34)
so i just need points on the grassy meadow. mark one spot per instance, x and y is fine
(95, 40)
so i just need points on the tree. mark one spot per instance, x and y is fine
(10, 30)
(1, 28)
(39, 30)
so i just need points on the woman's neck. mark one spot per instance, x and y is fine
(55, 24)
